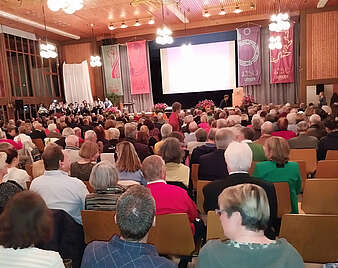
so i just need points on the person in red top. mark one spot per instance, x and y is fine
(168, 198)
(174, 117)
(283, 129)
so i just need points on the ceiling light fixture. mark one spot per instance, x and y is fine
(252, 5)
(321, 3)
(206, 14)
(68, 6)
(95, 61)
(111, 27)
(279, 22)
(47, 50)
(123, 25)
(237, 9)
(186, 44)
(222, 12)
(151, 21)
(137, 23)
(164, 34)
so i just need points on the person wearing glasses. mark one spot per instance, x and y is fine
(244, 214)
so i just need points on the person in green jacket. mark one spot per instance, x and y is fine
(244, 214)
(279, 169)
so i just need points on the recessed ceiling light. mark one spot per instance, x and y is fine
(137, 23)
(123, 25)
(206, 14)
(222, 12)
(111, 27)
(237, 9)
(252, 5)
(151, 21)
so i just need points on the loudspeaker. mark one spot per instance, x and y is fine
(19, 104)
(319, 88)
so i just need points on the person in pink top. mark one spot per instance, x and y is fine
(283, 129)
(204, 123)
(174, 117)
(16, 145)
(168, 198)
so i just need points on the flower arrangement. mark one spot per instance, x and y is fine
(248, 100)
(205, 105)
(160, 107)
(111, 111)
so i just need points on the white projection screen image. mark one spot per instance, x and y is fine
(197, 68)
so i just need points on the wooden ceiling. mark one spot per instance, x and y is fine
(102, 13)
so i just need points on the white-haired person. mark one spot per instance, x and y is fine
(113, 136)
(244, 215)
(316, 128)
(104, 178)
(292, 121)
(303, 141)
(73, 148)
(166, 130)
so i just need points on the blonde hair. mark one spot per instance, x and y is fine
(3, 158)
(88, 150)
(277, 150)
(127, 157)
(250, 201)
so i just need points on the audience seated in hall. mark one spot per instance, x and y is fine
(208, 147)
(238, 157)
(316, 128)
(212, 165)
(166, 130)
(201, 137)
(58, 190)
(168, 198)
(172, 154)
(72, 148)
(258, 154)
(128, 163)
(104, 178)
(279, 169)
(191, 136)
(283, 129)
(65, 133)
(135, 215)
(113, 136)
(25, 223)
(329, 142)
(303, 141)
(266, 131)
(89, 154)
(4, 139)
(38, 132)
(244, 215)
(257, 122)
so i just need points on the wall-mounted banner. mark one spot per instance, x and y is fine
(112, 70)
(138, 67)
(281, 60)
(249, 56)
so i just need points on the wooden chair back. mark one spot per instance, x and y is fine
(38, 169)
(283, 198)
(172, 235)
(39, 144)
(327, 169)
(194, 175)
(214, 227)
(302, 171)
(89, 187)
(200, 196)
(331, 155)
(314, 236)
(252, 168)
(320, 196)
(98, 225)
(307, 155)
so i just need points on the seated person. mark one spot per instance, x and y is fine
(89, 153)
(258, 154)
(303, 141)
(113, 135)
(238, 157)
(201, 137)
(212, 165)
(283, 131)
(103, 179)
(244, 214)
(20, 176)
(168, 198)
(172, 155)
(209, 147)
(279, 169)
(135, 214)
(128, 163)
(25, 223)
(329, 142)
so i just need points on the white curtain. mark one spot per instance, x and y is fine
(77, 83)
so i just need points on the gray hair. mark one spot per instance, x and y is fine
(135, 212)
(221, 123)
(223, 138)
(67, 132)
(153, 168)
(113, 133)
(3, 158)
(201, 135)
(166, 130)
(292, 118)
(103, 176)
(238, 157)
(315, 119)
(212, 134)
(52, 127)
(90, 135)
(72, 140)
(130, 130)
(302, 126)
(267, 127)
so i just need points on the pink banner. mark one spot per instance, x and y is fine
(138, 67)
(281, 60)
(249, 56)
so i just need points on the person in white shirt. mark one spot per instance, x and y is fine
(26, 222)
(58, 189)
(15, 174)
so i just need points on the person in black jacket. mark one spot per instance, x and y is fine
(329, 142)
(238, 157)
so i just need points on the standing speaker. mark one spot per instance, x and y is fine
(319, 88)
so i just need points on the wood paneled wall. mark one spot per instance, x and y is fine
(77, 53)
(322, 45)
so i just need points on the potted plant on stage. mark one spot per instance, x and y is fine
(205, 105)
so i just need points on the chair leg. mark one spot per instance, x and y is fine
(184, 260)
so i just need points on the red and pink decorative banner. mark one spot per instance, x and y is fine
(281, 60)
(138, 67)
(249, 56)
